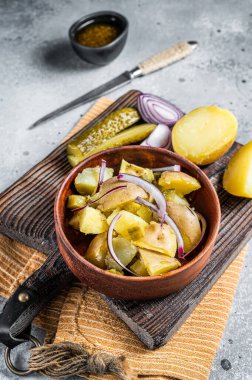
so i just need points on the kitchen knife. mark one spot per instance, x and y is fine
(154, 63)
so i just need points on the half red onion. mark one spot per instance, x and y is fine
(104, 195)
(168, 221)
(174, 168)
(159, 138)
(154, 109)
(101, 174)
(110, 245)
(149, 188)
(203, 232)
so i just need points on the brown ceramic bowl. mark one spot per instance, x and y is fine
(73, 244)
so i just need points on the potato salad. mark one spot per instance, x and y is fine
(141, 218)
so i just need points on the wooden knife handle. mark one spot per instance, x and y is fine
(167, 57)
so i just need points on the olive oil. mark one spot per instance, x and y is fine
(97, 34)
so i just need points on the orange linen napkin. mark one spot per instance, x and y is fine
(81, 316)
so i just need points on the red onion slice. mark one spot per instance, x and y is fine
(203, 232)
(154, 109)
(104, 195)
(101, 175)
(174, 168)
(168, 221)
(159, 138)
(111, 248)
(149, 188)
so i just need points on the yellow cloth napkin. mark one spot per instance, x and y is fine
(81, 316)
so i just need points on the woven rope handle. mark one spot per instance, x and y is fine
(166, 57)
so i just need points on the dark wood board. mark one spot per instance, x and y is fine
(26, 214)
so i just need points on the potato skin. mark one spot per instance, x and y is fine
(237, 178)
(187, 222)
(204, 134)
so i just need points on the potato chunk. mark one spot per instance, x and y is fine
(76, 201)
(130, 226)
(180, 182)
(172, 196)
(204, 134)
(87, 181)
(188, 223)
(138, 171)
(120, 197)
(237, 178)
(157, 264)
(89, 221)
(125, 251)
(158, 238)
(139, 268)
(97, 250)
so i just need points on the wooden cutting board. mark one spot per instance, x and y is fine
(26, 214)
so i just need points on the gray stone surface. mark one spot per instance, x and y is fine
(39, 71)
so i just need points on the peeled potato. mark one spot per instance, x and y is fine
(130, 226)
(89, 221)
(237, 178)
(204, 134)
(158, 238)
(157, 264)
(180, 182)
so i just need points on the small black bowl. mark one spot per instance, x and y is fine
(101, 55)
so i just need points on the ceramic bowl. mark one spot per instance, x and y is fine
(73, 244)
(102, 55)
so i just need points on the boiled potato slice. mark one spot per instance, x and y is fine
(125, 251)
(139, 268)
(158, 238)
(138, 171)
(97, 250)
(172, 196)
(120, 197)
(145, 213)
(204, 134)
(76, 201)
(237, 178)
(130, 226)
(188, 223)
(157, 264)
(87, 181)
(132, 207)
(91, 221)
(180, 182)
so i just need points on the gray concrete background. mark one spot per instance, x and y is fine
(39, 72)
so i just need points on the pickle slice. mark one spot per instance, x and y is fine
(129, 136)
(116, 122)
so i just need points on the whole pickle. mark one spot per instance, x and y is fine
(129, 136)
(116, 122)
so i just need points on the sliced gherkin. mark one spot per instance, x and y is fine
(129, 136)
(116, 122)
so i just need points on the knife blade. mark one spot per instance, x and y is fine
(154, 63)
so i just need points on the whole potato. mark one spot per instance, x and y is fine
(188, 223)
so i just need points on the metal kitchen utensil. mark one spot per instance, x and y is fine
(154, 63)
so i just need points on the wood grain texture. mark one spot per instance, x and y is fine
(26, 214)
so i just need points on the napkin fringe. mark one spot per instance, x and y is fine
(66, 359)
